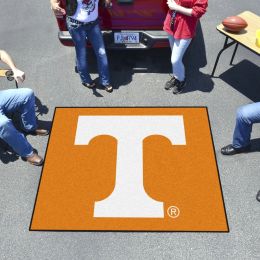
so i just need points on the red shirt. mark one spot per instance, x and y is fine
(185, 26)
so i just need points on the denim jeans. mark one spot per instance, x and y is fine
(246, 116)
(80, 33)
(179, 47)
(19, 103)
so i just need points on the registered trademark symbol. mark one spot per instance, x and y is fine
(173, 212)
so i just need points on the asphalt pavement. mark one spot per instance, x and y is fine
(28, 31)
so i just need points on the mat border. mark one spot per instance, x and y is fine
(133, 231)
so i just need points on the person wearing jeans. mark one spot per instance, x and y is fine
(83, 24)
(178, 47)
(246, 116)
(180, 24)
(19, 104)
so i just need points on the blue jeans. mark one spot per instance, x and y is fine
(17, 102)
(179, 47)
(80, 33)
(246, 116)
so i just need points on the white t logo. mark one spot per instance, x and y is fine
(129, 198)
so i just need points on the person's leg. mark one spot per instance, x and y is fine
(20, 102)
(14, 138)
(27, 111)
(171, 40)
(178, 47)
(246, 116)
(78, 35)
(170, 83)
(97, 42)
(178, 50)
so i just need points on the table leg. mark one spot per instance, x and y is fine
(226, 45)
(234, 53)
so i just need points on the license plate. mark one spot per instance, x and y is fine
(126, 37)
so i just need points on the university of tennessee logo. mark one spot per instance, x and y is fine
(129, 198)
(150, 169)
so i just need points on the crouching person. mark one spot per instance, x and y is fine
(19, 103)
(247, 115)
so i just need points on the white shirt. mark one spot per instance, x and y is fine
(87, 11)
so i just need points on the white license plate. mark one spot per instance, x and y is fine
(126, 37)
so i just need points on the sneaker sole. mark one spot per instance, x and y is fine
(89, 86)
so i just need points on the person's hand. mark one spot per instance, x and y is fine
(19, 75)
(108, 3)
(58, 11)
(172, 5)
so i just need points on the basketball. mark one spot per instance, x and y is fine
(234, 23)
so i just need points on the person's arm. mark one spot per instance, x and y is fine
(107, 3)
(19, 75)
(55, 6)
(180, 9)
(198, 9)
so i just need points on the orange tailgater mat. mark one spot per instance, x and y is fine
(130, 169)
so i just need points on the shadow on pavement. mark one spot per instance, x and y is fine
(244, 77)
(6, 154)
(255, 145)
(40, 109)
(124, 63)
(194, 59)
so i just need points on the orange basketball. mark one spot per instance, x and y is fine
(234, 23)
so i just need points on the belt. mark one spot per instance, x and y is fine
(82, 23)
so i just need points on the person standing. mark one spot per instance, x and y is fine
(19, 103)
(83, 24)
(180, 24)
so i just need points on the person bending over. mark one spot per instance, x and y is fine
(246, 116)
(83, 24)
(19, 103)
(180, 24)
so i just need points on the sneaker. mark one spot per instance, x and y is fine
(178, 86)
(170, 84)
(108, 88)
(89, 85)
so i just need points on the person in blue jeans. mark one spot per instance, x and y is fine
(19, 103)
(246, 116)
(83, 24)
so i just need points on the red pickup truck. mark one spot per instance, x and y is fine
(134, 24)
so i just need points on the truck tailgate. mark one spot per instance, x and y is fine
(134, 14)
